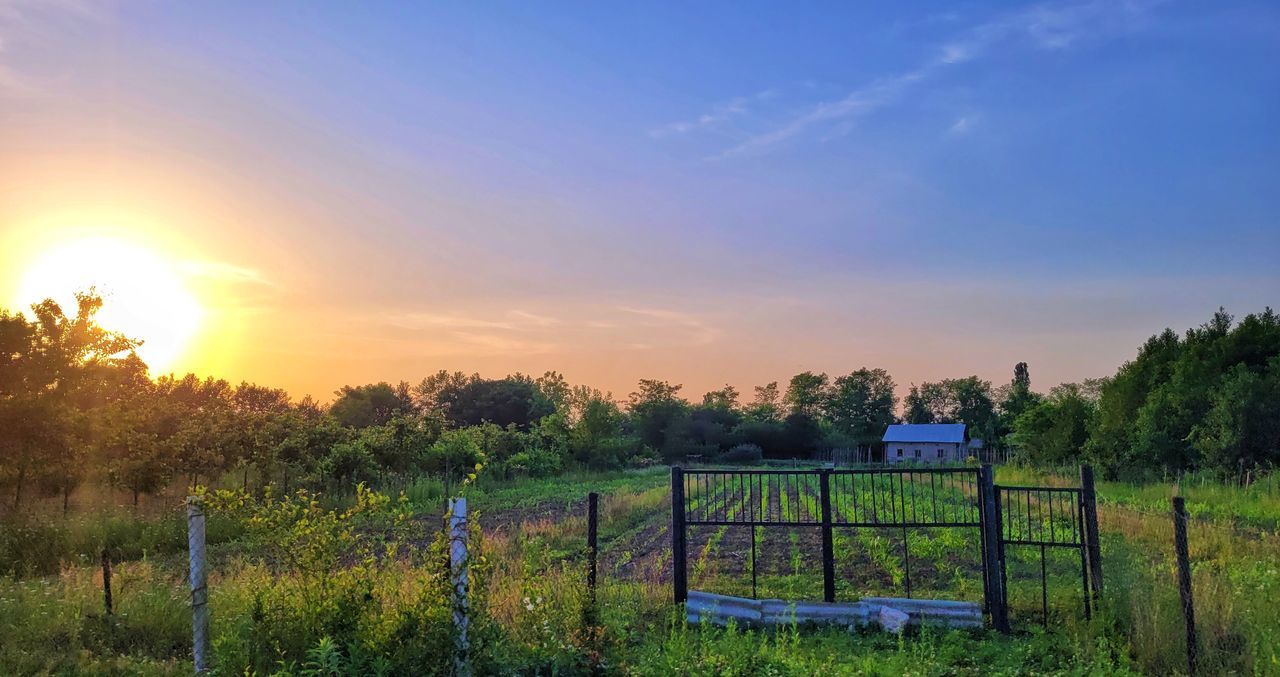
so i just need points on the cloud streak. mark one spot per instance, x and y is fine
(1043, 27)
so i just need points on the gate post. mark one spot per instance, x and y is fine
(1093, 550)
(991, 547)
(828, 548)
(679, 567)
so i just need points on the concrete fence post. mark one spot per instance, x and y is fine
(458, 564)
(199, 579)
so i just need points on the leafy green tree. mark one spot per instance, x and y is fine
(800, 434)
(806, 394)
(916, 407)
(655, 408)
(553, 387)
(139, 444)
(725, 399)
(767, 405)
(503, 402)
(601, 420)
(1055, 430)
(54, 369)
(1242, 427)
(369, 405)
(861, 405)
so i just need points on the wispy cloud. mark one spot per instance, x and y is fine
(533, 318)
(415, 320)
(695, 330)
(1044, 27)
(720, 113)
(219, 270)
(963, 125)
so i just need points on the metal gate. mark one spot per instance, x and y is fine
(1046, 518)
(894, 497)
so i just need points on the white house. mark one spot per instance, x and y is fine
(931, 443)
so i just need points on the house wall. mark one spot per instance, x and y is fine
(928, 452)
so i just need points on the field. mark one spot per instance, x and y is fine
(337, 605)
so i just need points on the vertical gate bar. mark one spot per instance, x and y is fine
(1052, 531)
(679, 570)
(933, 495)
(1084, 564)
(1092, 546)
(983, 520)
(828, 549)
(994, 559)
(906, 561)
(913, 498)
(906, 552)
(1044, 588)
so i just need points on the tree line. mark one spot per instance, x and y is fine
(1208, 399)
(76, 403)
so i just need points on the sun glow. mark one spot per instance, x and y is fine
(145, 295)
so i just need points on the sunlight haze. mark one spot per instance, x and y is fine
(316, 195)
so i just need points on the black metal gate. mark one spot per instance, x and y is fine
(1046, 518)
(900, 498)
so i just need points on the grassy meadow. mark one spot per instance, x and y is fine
(309, 585)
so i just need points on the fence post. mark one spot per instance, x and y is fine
(1184, 578)
(106, 582)
(1093, 550)
(828, 548)
(458, 562)
(989, 518)
(199, 579)
(679, 568)
(593, 503)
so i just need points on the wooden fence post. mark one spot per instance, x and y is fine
(828, 547)
(458, 563)
(1093, 549)
(106, 582)
(990, 519)
(1184, 578)
(679, 567)
(199, 579)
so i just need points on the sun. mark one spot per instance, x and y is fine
(145, 295)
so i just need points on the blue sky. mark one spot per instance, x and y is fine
(725, 191)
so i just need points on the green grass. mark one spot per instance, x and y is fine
(530, 606)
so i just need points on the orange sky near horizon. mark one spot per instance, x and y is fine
(308, 207)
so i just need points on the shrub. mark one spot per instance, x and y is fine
(742, 453)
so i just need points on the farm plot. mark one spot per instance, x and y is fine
(905, 532)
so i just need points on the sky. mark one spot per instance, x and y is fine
(705, 193)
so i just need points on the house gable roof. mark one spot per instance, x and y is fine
(925, 432)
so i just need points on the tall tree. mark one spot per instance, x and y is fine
(767, 405)
(368, 405)
(861, 404)
(806, 394)
(655, 407)
(725, 398)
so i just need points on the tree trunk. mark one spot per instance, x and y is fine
(66, 497)
(135, 499)
(244, 484)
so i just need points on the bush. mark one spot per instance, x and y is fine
(535, 462)
(742, 453)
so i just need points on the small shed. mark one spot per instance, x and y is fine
(926, 443)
